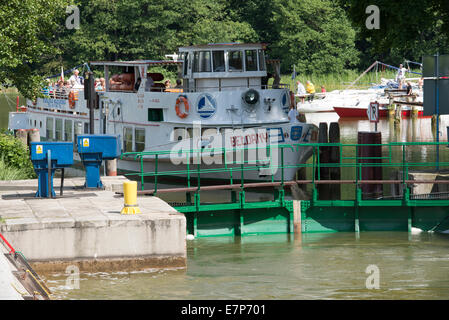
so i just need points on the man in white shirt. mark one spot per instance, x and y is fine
(400, 77)
(293, 115)
(301, 90)
(75, 80)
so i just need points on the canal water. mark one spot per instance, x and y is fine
(312, 266)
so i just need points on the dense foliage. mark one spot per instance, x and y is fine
(15, 162)
(317, 36)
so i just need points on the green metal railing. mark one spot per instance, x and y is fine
(394, 156)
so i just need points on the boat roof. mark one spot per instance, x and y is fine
(136, 62)
(236, 45)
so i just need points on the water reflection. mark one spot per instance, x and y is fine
(311, 266)
(408, 129)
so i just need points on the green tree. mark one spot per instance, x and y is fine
(408, 29)
(148, 29)
(27, 32)
(315, 35)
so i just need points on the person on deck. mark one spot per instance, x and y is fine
(301, 91)
(149, 83)
(293, 114)
(103, 84)
(97, 84)
(310, 89)
(409, 88)
(323, 91)
(167, 84)
(75, 79)
(400, 76)
(420, 83)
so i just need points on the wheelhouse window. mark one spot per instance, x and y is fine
(68, 130)
(185, 58)
(235, 60)
(128, 139)
(219, 61)
(202, 61)
(49, 129)
(58, 129)
(261, 60)
(251, 60)
(139, 144)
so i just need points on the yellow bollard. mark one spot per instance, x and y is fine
(130, 195)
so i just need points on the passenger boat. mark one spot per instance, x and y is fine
(224, 101)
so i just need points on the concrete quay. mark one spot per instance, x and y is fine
(85, 228)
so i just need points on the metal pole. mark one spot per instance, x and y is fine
(438, 110)
(49, 193)
(62, 182)
(91, 116)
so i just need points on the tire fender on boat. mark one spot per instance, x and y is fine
(72, 100)
(179, 113)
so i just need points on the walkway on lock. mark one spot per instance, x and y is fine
(361, 168)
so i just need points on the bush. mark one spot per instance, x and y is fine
(14, 155)
(10, 173)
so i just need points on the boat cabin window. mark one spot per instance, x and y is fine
(219, 61)
(235, 60)
(78, 129)
(206, 132)
(202, 61)
(139, 140)
(179, 134)
(155, 115)
(189, 132)
(226, 130)
(261, 61)
(58, 129)
(121, 79)
(128, 139)
(186, 62)
(251, 60)
(49, 129)
(68, 130)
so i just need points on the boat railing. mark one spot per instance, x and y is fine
(215, 88)
(55, 93)
(350, 160)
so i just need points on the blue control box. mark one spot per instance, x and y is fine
(93, 149)
(106, 145)
(46, 157)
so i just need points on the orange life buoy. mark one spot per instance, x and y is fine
(72, 99)
(292, 99)
(179, 113)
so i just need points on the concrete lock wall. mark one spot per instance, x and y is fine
(100, 239)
